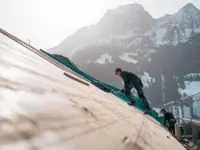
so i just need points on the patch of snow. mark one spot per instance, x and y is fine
(192, 77)
(133, 54)
(192, 74)
(176, 39)
(126, 57)
(186, 16)
(187, 33)
(146, 78)
(135, 42)
(157, 34)
(152, 51)
(190, 87)
(162, 81)
(178, 24)
(104, 59)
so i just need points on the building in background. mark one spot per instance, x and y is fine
(186, 111)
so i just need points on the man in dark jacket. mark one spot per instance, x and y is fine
(168, 116)
(130, 81)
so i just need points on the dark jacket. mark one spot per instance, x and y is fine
(130, 80)
(169, 117)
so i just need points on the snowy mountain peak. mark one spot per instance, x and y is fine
(129, 8)
(189, 8)
(179, 27)
(188, 13)
(132, 10)
(131, 21)
(188, 17)
(125, 19)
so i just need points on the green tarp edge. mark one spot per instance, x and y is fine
(70, 65)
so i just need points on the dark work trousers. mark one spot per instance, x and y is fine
(171, 127)
(140, 94)
(128, 94)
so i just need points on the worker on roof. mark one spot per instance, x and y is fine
(168, 116)
(131, 80)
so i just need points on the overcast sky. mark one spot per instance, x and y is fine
(47, 22)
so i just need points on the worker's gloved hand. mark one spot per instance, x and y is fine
(118, 92)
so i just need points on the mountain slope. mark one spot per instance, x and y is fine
(162, 51)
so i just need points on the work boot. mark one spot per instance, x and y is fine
(147, 111)
(132, 103)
